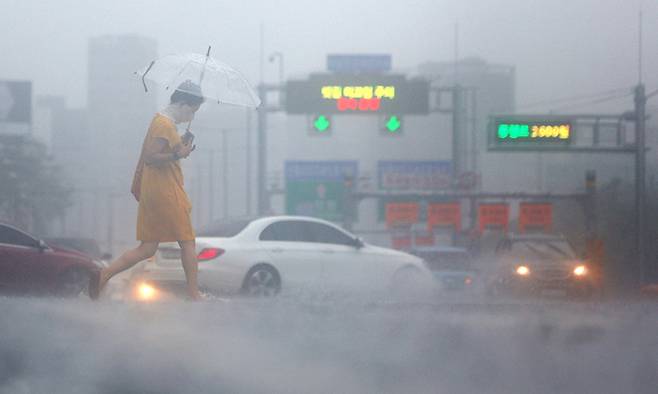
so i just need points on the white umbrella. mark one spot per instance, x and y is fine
(218, 81)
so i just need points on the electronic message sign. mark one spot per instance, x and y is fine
(357, 94)
(530, 132)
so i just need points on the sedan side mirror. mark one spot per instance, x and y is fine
(43, 246)
(358, 243)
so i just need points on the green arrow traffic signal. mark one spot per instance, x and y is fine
(393, 125)
(321, 123)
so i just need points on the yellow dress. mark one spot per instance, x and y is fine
(164, 209)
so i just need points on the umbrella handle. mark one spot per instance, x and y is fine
(144, 75)
(188, 137)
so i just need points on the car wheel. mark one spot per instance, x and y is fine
(261, 281)
(73, 282)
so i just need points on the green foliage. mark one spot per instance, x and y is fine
(32, 189)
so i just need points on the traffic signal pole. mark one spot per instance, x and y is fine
(640, 177)
(457, 133)
(641, 98)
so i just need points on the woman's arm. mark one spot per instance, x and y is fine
(154, 155)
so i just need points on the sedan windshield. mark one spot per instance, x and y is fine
(544, 250)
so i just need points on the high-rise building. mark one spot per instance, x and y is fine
(119, 115)
(71, 149)
(119, 109)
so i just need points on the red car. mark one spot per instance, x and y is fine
(30, 266)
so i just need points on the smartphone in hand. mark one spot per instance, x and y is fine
(187, 138)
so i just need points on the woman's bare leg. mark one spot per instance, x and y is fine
(127, 260)
(191, 267)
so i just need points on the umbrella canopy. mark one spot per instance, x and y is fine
(218, 81)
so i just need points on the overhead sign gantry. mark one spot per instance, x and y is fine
(389, 95)
(568, 133)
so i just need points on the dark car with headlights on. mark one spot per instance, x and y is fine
(30, 266)
(539, 265)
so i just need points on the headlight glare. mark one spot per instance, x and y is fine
(580, 270)
(146, 292)
(523, 270)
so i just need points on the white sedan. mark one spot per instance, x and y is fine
(262, 257)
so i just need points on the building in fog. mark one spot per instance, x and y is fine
(119, 112)
(419, 157)
(119, 109)
(65, 133)
(16, 115)
(72, 151)
(46, 109)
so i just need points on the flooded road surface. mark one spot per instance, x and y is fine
(326, 346)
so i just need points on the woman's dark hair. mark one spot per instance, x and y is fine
(187, 93)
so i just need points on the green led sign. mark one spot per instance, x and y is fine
(530, 132)
(513, 131)
(363, 94)
(321, 123)
(393, 125)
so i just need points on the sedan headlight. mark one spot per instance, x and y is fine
(522, 270)
(145, 292)
(580, 270)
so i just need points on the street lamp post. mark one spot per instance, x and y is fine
(263, 88)
(272, 58)
(263, 198)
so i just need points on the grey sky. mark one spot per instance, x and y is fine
(560, 47)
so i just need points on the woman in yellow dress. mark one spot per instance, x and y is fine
(164, 208)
